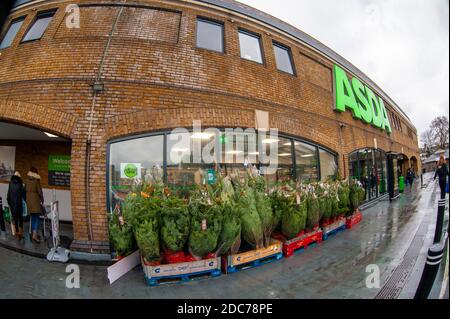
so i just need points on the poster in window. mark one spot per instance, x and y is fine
(59, 170)
(7, 162)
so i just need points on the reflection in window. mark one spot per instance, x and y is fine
(283, 58)
(328, 165)
(146, 152)
(239, 149)
(250, 45)
(39, 26)
(209, 35)
(284, 169)
(11, 33)
(307, 165)
(188, 161)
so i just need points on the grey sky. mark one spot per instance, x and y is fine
(402, 45)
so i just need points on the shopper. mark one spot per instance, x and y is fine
(442, 173)
(35, 199)
(15, 199)
(410, 177)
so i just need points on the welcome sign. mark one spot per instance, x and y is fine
(59, 170)
(360, 100)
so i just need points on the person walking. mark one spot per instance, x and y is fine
(15, 197)
(34, 198)
(442, 173)
(410, 177)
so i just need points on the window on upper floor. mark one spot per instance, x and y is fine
(13, 29)
(250, 45)
(283, 58)
(39, 26)
(210, 35)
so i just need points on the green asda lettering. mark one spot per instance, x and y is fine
(360, 100)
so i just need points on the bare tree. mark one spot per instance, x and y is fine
(439, 127)
(428, 141)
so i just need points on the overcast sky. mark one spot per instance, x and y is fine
(402, 45)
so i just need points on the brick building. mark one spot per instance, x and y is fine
(112, 88)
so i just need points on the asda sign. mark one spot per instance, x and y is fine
(130, 170)
(360, 100)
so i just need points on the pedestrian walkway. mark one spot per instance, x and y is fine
(392, 238)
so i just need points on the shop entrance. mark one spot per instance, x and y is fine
(369, 167)
(415, 165)
(24, 147)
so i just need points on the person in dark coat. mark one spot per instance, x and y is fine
(442, 173)
(15, 197)
(35, 199)
(410, 177)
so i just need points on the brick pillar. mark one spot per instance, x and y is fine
(83, 241)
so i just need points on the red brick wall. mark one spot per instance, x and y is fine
(155, 78)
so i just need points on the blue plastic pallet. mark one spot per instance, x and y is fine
(255, 263)
(176, 279)
(334, 231)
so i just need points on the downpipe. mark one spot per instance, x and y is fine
(89, 137)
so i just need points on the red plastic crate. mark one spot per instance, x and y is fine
(302, 241)
(354, 219)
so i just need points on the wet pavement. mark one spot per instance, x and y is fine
(392, 236)
(36, 249)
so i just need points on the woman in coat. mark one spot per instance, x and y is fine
(442, 173)
(15, 197)
(35, 199)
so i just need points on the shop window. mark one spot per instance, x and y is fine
(210, 35)
(283, 58)
(306, 162)
(239, 149)
(328, 165)
(369, 166)
(250, 45)
(130, 160)
(279, 167)
(39, 26)
(187, 159)
(11, 33)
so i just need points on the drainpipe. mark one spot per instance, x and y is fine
(97, 88)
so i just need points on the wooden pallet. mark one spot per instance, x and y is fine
(301, 243)
(334, 228)
(254, 263)
(181, 272)
(252, 258)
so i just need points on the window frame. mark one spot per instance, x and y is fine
(290, 55)
(213, 22)
(40, 14)
(21, 18)
(260, 42)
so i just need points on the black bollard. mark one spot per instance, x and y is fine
(439, 221)
(421, 180)
(434, 259)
